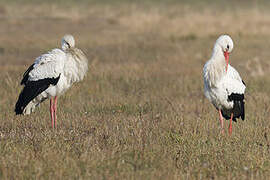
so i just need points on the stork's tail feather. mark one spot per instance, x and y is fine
(31, 90)
(238, 106)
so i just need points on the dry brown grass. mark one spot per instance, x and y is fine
(141, 112)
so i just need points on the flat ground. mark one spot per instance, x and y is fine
(140, 113)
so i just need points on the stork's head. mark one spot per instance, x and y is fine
(225, 43)
(68, 42)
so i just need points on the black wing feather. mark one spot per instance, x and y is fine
(238, 106)
(31, 90)
(26, 74)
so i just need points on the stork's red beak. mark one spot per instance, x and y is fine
(226, 55)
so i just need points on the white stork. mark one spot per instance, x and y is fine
(223, 85)
(50, 76)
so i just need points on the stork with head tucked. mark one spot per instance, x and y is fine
(223, 85)
(50, 76)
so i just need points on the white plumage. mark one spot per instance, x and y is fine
(48, 65)
(223, 85)
(50, 76)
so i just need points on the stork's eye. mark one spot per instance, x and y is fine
(68, 44)
(228, 47)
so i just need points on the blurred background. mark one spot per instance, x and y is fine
(141, 112)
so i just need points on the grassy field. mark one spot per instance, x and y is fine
(140, 113)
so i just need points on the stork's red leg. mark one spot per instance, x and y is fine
(230, 126)
(52, 112)
(221, 122)
(55, 109)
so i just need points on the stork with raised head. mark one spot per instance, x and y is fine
(50, 76)
(223, 85)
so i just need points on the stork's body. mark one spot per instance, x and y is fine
(51, 75)
(223, 85)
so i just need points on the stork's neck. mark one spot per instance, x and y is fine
(218, 59)
(217, 65)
